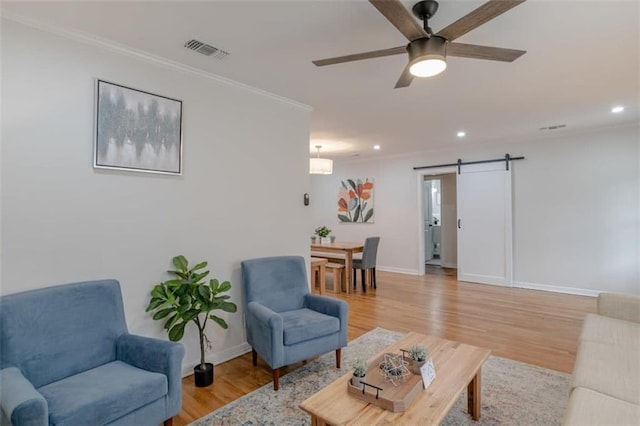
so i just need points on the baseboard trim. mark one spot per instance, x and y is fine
(219, 357)
(397, 270)
(450, 265)
(558, 289)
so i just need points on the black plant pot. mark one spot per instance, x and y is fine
(203, 376)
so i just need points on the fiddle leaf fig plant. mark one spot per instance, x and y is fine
(187, 297)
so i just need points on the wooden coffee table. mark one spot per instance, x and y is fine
(457, 366)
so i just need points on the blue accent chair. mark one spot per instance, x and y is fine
(66, 358)
(284, 322)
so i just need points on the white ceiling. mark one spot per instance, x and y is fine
(582, 58)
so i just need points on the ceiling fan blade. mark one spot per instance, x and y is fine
(400, 17)
(405, 78)
(483, 52)
(479, 16)
(360, 56)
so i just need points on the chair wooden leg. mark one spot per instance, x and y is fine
(254, 357)
(276, 379)
(353, 274)
(364, 283)
(375, 284)
(338, 357)
(168, 422)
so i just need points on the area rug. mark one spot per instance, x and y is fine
(513, 393)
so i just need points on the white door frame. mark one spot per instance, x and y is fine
(419, 180)
(428, 206)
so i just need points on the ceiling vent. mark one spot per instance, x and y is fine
(556, 127)
(206, 49)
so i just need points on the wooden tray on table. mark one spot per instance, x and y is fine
(381, 392)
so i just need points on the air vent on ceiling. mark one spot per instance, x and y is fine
(556, 127)
(206, 49)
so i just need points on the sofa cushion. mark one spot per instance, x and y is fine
(598, 328)
(608, 369)
(103, 393)
(304, 324)
(587, 407)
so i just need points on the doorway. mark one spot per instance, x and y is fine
(479, 217)
(438, 239)
(432, 221)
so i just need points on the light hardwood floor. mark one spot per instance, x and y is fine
(535, 327)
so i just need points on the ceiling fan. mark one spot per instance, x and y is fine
(428, 51)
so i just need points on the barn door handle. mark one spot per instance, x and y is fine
(459, 227)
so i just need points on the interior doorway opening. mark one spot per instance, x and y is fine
(432, 221)
(438, 218)
(481, 212)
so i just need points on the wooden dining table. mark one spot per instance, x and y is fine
(348, 249)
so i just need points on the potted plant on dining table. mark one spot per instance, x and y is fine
(323, 233)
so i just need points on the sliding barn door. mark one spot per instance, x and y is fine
(485, 224)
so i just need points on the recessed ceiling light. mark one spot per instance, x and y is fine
(461, 134)
(376, 147)
(617, 109)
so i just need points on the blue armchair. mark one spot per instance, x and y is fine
(67, 359)
(285, 323)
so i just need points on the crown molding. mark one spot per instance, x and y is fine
(141, 55)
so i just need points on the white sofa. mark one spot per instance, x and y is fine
(605, 388)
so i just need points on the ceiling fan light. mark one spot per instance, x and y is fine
(320, 166)
(427, 56)
(428, 67)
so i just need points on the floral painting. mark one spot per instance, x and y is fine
(355, 201)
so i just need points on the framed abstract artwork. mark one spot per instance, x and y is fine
(355, 201)
(137, 130)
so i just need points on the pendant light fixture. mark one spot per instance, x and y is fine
(320, 166)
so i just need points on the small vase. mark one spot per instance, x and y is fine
(332, 239)
(416, 366)
(357, 381)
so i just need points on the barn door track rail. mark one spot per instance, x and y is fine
(461, 163)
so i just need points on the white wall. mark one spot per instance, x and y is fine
(575, 209)
(245, 170)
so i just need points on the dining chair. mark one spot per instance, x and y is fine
(367, 262)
